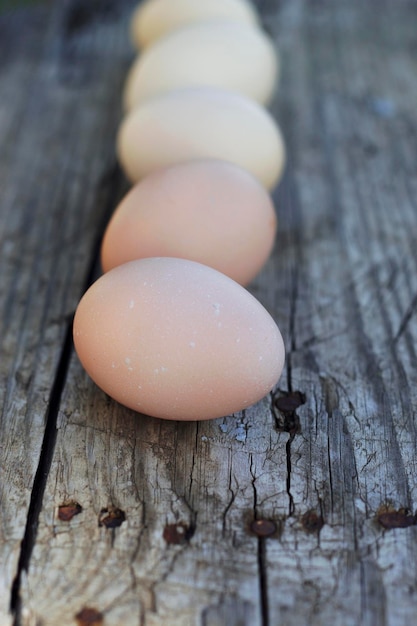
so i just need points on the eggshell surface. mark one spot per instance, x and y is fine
(155, 18)
(177, 340)
(201, 122)
(208, 211)
(221, 54)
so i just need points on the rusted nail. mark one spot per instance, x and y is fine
(290, 402)
(176, 534)
(67, 511)
(111, 517)
(284, 408)
(312, 522)
(263, 527)
(396, 519)
(89, 617)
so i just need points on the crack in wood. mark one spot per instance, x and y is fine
(284, 406)
(358, 447)
(41, 476)
(263, 580)
(261, 556)
(406, 319)
(232, 499)
(110, 184)
(291, 506)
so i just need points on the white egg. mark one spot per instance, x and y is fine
(221, 54)
(155, 18)
(201, 122)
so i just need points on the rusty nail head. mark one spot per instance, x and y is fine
(290, 402)
(263, 527)
(67, 511)
(176, 534)
(397, 519)
(89, 617)
(312, 522)
(111, 517)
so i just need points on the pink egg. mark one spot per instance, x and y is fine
(178, 340)
(208, 211)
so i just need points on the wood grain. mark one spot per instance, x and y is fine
(151, 522)
(59, 107)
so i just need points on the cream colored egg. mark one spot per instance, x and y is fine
(155, 18)
(177, 340)
(221, 54)
(198, 123)
(208, 211)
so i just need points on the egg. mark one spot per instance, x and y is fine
(208, 211)
(201, 122)
(177, 340)
(155, 18)
(221, 54)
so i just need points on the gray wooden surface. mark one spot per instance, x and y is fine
(299, 511)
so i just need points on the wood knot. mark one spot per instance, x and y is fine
(68, 510)
(89, 617)
(111, 517)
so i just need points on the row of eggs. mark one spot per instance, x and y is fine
(168, 330)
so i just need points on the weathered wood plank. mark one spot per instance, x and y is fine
(167, 477)
(59, 105)
(176, 501)
(355, 274)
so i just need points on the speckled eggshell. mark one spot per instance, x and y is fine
(155, 18)
(208, 211)
(221, 54)
(177, 340)
(201, 122)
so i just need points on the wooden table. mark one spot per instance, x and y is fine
(298, 511)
